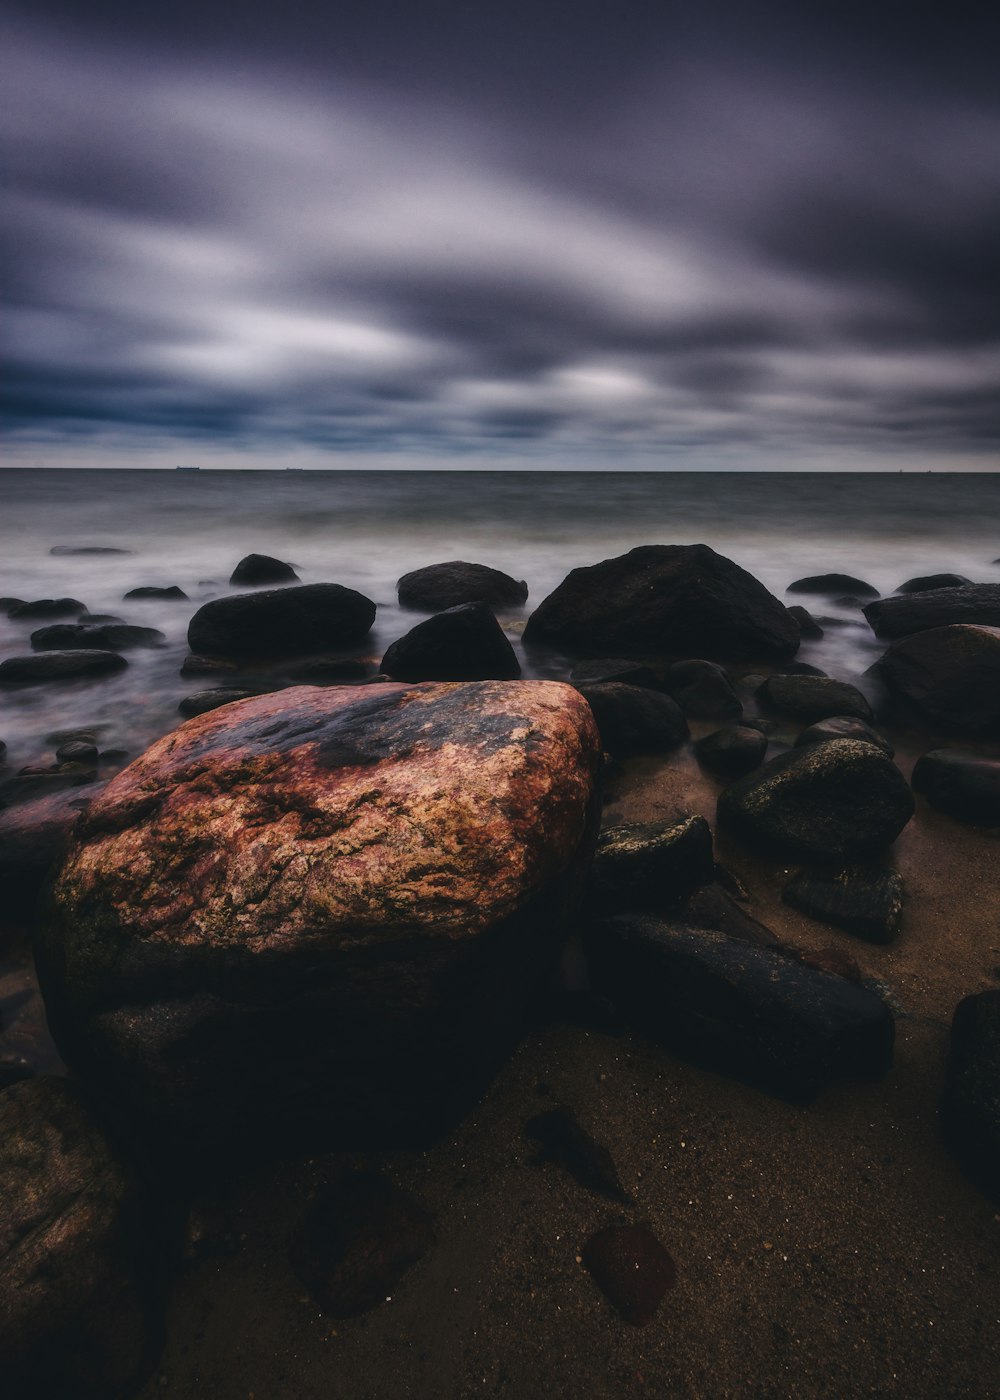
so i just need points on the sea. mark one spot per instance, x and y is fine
(365, 529)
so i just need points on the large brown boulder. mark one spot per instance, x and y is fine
(950, 676)
(667, 600)
(320, 913)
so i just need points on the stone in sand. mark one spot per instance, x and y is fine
(829, 585)
(712, 907)
(48, 666)
(974, 603)
(811, 698)
(564, 1141)
(965, 786)
(652, 865)
(633, 719)
(279, 622)
(256, 569)
(631, 1268)
(970, 1108)
(865, 900)
(440, 586)
(949, 677)
(464, 643)
(732, 752)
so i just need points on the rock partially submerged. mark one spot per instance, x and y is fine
(975, 603)
(965, 786)
(703, 690)
(829, 585)
(732, 752)
(33, 840)
(562, 1140)
(440, 586)
(46, 607)
(652, 865)
(809, 628)
(949, 677)
(612, 668)
(465, 643)
(865, 900)
(93, 636)
(151, 592)
(666, 600)
(256, 569)
(633, 719)
(926, 583)
(204, 700)
(320, 913)
(811, 698)
(46, 666)
(970, 1108)
(308, 617)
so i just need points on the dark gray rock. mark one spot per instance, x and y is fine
(746, 1011)
(33, 839)
(633, 719)
(46, 666)
(612, 668)
(835, 802)
(965, 786)
(464, 643)
(652, 865)
(152, 591)
(948, 677)
(202, 701)
(970, 1108)
(812, 698)
(77, 751)
(732, 752)
(809, 628)
(329, 670)
(975, 603)
(800, 668)
(829, 585)
(257, 569)
(207, 666)
(438, 587)
(666, 600)
(88, 549)
(312, 617)
(926, 583)
(69, 636)
(46, 607)
(7, 603)
(842, 727)
(863, 899)
(100, 618)
(703, 690)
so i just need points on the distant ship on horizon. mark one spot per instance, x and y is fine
(187, 469)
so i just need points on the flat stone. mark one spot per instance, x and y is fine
(864, 900)
(975, 603)
(46, 666)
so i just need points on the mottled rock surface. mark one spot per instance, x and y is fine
(33, 839)
(281, 622)
(732, 752)
(842, 727)
(652, 865)
(439, 586)
(949, 676)
(464, 643)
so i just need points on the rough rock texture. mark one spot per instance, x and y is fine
(73, 1279)
(465, 643)
(970, 1108)
(943, 607)
(152, 591)
(320, 912)
(842, 727)
(703, 690)
(731, 752)
(747, 1011)
(33, 839)
(830, 584)
(94, 637)
(633, 719)
(653, 865)
(966, 786)
(812, 698)
(255, 569)
(631, 1268)
(669, 600)
(926, 583)
(863, 899)
(950, 676)
(59, 666)
(840, 801)
(281, 622)
(440, 586)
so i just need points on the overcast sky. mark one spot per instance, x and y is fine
(629, 235)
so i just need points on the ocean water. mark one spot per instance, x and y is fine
(365, 529)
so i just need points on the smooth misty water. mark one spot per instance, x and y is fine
(365, 529)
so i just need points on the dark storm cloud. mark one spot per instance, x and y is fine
(424, 229)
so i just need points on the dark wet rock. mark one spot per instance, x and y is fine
(308, 617)
(7, 603)
(812, 698)
(89, 733)
(66, 636)
(840, 801)
(748, 1011)
(46, 607)
(88, 549)
(965, 786)
(261, 568)
(703, 690)
(564, 1141)
(633, 719)
(949, 676)
(33, 840)
(46, 666)
(970, 1108)
(652, 865)
(151, 592)
(358, 1240)
(204, 700)
(842, 727)
(801, 668)
(975, 604)
(465, 643)
(731, 752)
(667, 600)
(438, 587)
(865, 900)
(42, 782)
(631, 1268)
(829, 585)
(74, 1270)
(928, 582)
(612, 668)
(849, 600)
(712, 907)
(832, 960)
(206, 666)
(809, 628)
(322, 912)
(329, 670)
(77, 751)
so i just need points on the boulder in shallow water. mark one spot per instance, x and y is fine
(152, 592)
(633, 719)
(842, 727)
(731, 752)
(47, 666)
(652, 865)
(305, 618)
(320, 913)
(829, 585)
(836, 802)
(865, 900)
(440, 586)
(666, 600)
(811, 698)
(66, 549)
(256, 569)
(69, 636)
(949, 677)
(965, 786)
(46, 607)
(926, 583)
(970, 1108)
(975, 603)
(465, 643)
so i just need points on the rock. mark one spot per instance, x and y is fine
(800, 668)
(329, 670)
(77, 751)
(59, 666)
(974, 604)
(88, 549)
(949, 676)
(703, 690)
(712, 907)
(842, 727)
(633, 719)
(809, 628)
(65, 636)
(321, 912)
(465, 643)
(308, 617)
(33, 839)
(74, 1283)
(965, 786)
(170, 594)
(46, 607)
(41, 782)
(832, 960)
(747, 1011)
(970, 1108)
(631, 1268)
(837, 802)
(614, 668)
(928, 582)
(206, 666)
(564, 1141)
(652, 865)
(100, 618)
(832, 584)
(731, 752)
(812, 698)
(261, 568)
(204, 700)
(7, 603)
(666, 600)
(357, 1242)
(441, 586)
(862, 899)
(3, 751)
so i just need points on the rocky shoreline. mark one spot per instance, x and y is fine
(315, 922)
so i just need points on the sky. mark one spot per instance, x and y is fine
(641, 235)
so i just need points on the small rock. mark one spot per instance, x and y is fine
(464, 643)
(59, 666)
(77, 751)
(88, 549)
(842, 727)
(928, 582)
(329, 670)
(46, 607)
(438, 587)
(703, 690)
(171, 593)
(712, 907)
(809, 628)
(963, 785)
(812, 698)
(262, 568)
(632, 1269)
(61, 636)
(652, 865)
(864, 900)
(204, 700)
(613, 668)
(970, 1108)
(206, 666)
(633, 719)
(832, 584)
(732, 752)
